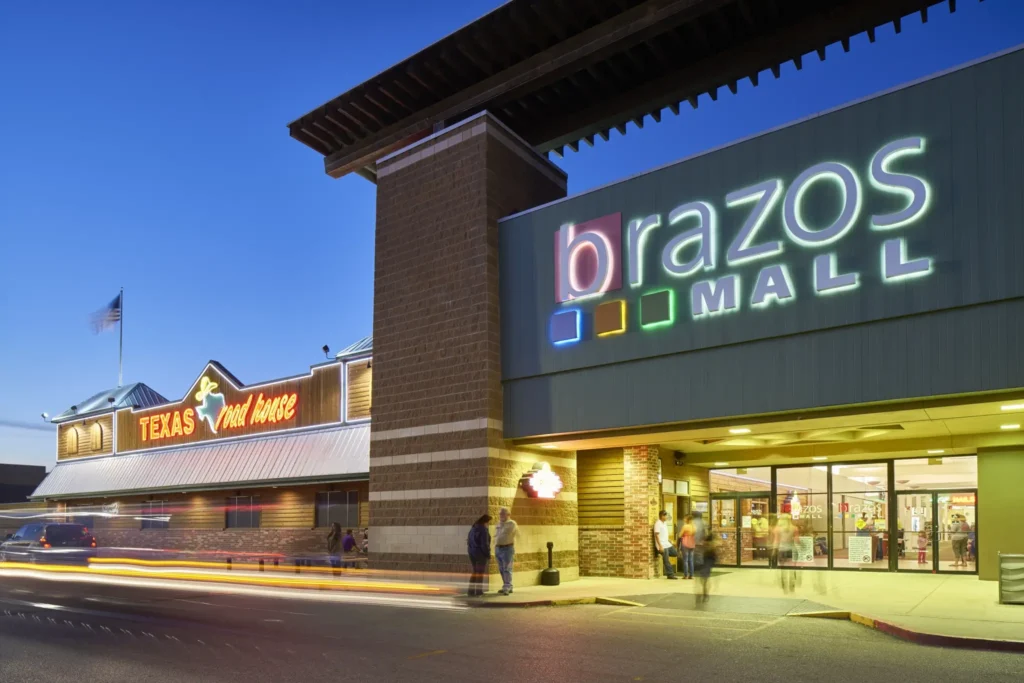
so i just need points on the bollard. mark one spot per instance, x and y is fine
(275, 561)
(261, 564)
(229, 564)
(298, 563)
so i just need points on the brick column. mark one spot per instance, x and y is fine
(438, 459)
(642, 501)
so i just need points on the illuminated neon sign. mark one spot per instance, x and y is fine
(218, 414)
(588, 262)
(542, 481)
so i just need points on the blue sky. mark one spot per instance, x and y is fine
(144, 145)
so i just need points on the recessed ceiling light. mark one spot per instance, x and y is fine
(936, 451)
(721, 464)
(546, 445)
(1012, 406)
(1009, 427)
(739, 430)
(820, 457)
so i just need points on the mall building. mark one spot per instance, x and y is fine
(228, 468)
(823, 321)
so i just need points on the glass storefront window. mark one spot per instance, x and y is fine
(742, 479)
(914, 543)
(802, 503)
(860, 516)
(950, 472)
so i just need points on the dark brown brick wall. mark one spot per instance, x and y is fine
(459, 564)
(437, 347)
(432, 443)
(453, 473)
(465, 511)
(220, 541)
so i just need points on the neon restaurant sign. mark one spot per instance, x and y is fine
(218, 414)
(589, 256)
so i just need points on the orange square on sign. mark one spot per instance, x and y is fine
(610, 318)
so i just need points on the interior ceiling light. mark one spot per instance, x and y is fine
(739, 430)
(820, 457)
(1012, 406)
(1008, 427)
(936, 451)
(721, 464)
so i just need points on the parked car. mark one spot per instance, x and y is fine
(56, 543)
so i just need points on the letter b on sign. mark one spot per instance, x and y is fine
(588, 258)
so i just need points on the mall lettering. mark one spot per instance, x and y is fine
(695, 249)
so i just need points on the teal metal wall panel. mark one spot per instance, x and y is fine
(853, 346)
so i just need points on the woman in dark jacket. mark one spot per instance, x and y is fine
(479, 545)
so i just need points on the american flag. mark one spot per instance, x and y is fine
(108, 316)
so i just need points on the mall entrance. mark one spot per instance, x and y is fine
(916, 514)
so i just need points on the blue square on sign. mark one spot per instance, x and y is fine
(565, 327)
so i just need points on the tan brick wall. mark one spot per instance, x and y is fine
(437, 347)
(602, 551)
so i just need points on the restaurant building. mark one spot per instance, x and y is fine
(230, 466)
(821, 322)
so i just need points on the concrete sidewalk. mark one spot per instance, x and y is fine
(940, 605)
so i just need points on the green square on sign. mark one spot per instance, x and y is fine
(656, 308)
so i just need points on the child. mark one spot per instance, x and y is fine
(922, 546)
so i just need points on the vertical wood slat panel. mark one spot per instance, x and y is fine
(601, 487)
(360, 380)
(84, 427)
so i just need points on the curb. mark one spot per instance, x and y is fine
(920, 637)
(560, 603)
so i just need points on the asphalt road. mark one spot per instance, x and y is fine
(64, 632)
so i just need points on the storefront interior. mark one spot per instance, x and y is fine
(869, 489)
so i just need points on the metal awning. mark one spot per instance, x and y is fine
(306, 457)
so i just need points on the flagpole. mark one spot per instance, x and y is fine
(120, 344)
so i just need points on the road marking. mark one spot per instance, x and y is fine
(759, 628)
(428, 654)
(253, 609)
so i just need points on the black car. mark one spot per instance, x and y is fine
(49, 542)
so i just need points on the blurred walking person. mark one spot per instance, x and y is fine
(787, 534)
(334, 547)
(349, 549)
(709, 556)
(687, 544)
(504, 548)
(479, 546)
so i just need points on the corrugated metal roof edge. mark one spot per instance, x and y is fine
(253, 483)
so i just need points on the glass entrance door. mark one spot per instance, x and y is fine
(915, 545)
(741, 522)
(957, 531)
(753, 532)
(723, 523)
(938, 531)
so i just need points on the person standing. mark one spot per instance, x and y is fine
(922, 547)
(348, 549)
(664, 545)
(479, 546)
(687, 543)
(504, 548)
(334, 547)
(960, 530)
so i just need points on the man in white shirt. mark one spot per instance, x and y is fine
(664, 545)
(504, 548)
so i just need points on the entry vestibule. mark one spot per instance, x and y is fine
(865, 516)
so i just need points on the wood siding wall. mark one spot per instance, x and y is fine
(360, 382)
(84, 427)
(601, 487)
(319, 402)
(283, 508)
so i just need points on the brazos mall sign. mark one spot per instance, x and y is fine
(712, 256)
